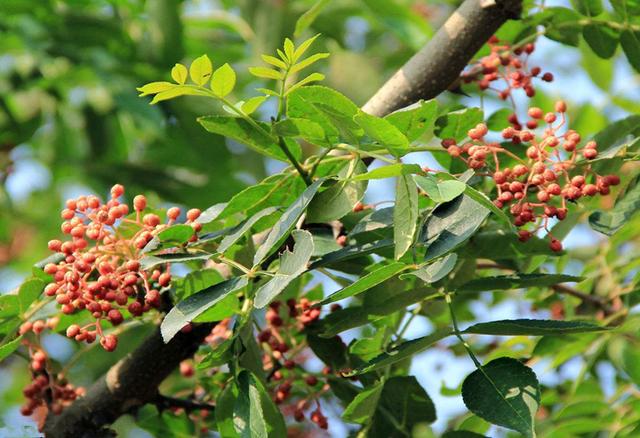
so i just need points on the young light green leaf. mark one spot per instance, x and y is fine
(400, 352)
(289, 49)
(154, 88)
(364, 405)
(405, 214)
(516, 281)
(176, 91)
(313, 77)
(367, 282)
(242, 228)
(274, 61)
(308, 61)
(391, 170)
(287, 221)
(610, 221)
(254, 413)
(179, 73)
(504, 392)
(533, 327)
(251, 105)
(186, 311)
(339, 199)
(383, 132)
(292, 265)
(439, 192)
(308, 18)
(223, 81)
(200, 70)
(415, 120)
(265, 73)
(302, 48)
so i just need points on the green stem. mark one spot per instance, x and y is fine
(456, 330)
(292, 159)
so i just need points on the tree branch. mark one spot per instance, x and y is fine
(129, 384)
(439, 63)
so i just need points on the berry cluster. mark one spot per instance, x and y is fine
(508, 65)
(105, 277)
(284, 359)
(546, 175)
(46, 391)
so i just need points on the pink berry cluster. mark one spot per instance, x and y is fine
(292, 386)
(506, 65)
(541, 184)
(100, 271)
(46, 390)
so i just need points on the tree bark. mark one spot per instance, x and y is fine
(134, 380)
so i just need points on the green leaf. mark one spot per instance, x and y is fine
(590, 8)
(255, 414)
(339, 199)
(533, 327)
(303, 128)
(504, 392)
(224, 411)
(187, 310)
(289, 49)
(602, 39)
(29, 291)
(450, 224)
(405, 214)
(367, 282)
(155, 87)
(179, 74)
(242, 131)
(292, 265)
(377, 219)
(303, 47)
(401, 352)
(383, 132)
(265, 73)
(628, 9)
(484, 201)
(609, 221)
(416, 120)
(243, 228)
(149, 262)
(391, 170)
(435, 271)
(600, 70)
(516, 281)
(308, 61)
(462, 434)
(194, 282)
(499, 120)
(399, 18)
(456, 124)
(251, 105)
(176, 91)
(562, 25)
(439, 192)
(363, 406)
(223, 81)
(630, 42)
(9, 347)
(350, 252)
(313, 77)
(200, 70)
(308, 18)
(285, 224)
(9, 306)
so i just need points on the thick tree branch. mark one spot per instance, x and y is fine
(129, 384)
(439, 63)
(134, 380)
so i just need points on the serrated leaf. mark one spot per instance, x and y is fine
(516, 281)
(251, 105)
(456, 124)
(200, 70)
(308, 61)
(186, 311)
(415, 120)
(287, 221)
(391, 170)
(450, 224)
(194, 282)
(504, 392)
(242, 228)
(533, 327)
(292, 265)
(484, 201)
(609, 221)
(29, 291)
(224, 411)
(255, 414)
(9, 347)
(223, 81)
(602, 39)
(339, 199)
(366, 282)
(363, 406)
(400, 352)
(303, 128)
(383, 132)
(439, 192)
(350, 252)
(266, 73)
(151, 261)
(435, 271)
(630, 42)
(179, 73)
(405, 215)
(377, 219)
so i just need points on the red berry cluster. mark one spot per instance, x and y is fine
(45, 390)
(508, 65)
(104, 277)
(539, 186)
(284, 359)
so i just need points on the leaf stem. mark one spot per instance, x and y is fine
(456, 331)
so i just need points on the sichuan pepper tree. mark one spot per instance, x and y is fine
(248, 322)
